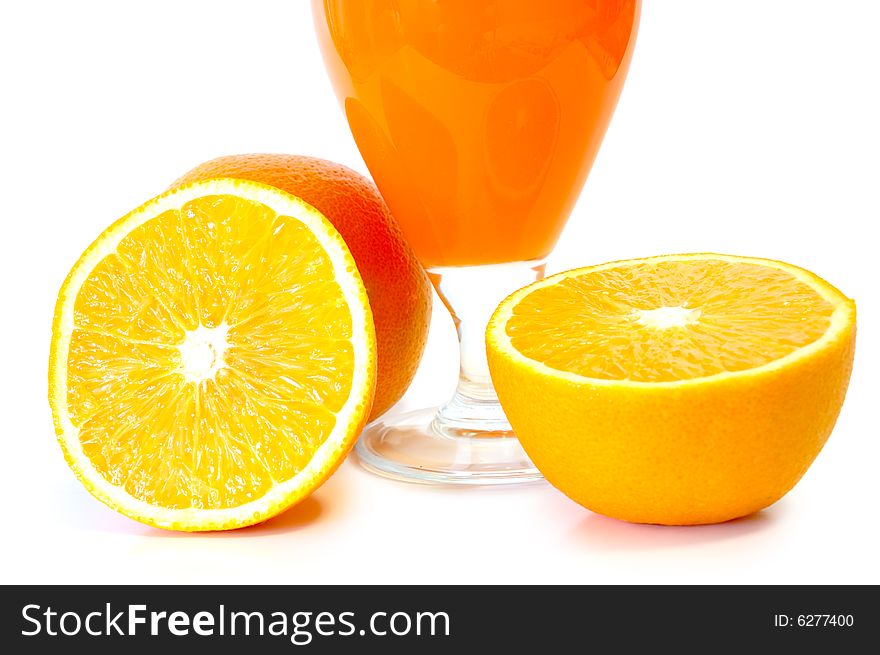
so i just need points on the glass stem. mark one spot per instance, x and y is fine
(471, 294)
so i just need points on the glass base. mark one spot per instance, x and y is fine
(422, 447)
(468, 441)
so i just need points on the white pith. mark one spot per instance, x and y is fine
(202, 351)
(664, 318)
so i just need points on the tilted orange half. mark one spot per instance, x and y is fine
(213, 357)
(680, 389)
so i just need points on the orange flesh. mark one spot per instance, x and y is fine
(221, 340)
(714, 316)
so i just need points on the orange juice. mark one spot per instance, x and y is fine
(478, 119)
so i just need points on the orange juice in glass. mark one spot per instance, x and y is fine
(479, 121)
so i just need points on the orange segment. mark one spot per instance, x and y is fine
(213, 357)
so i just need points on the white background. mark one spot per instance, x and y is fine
(748, 127)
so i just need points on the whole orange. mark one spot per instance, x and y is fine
(397, 286)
